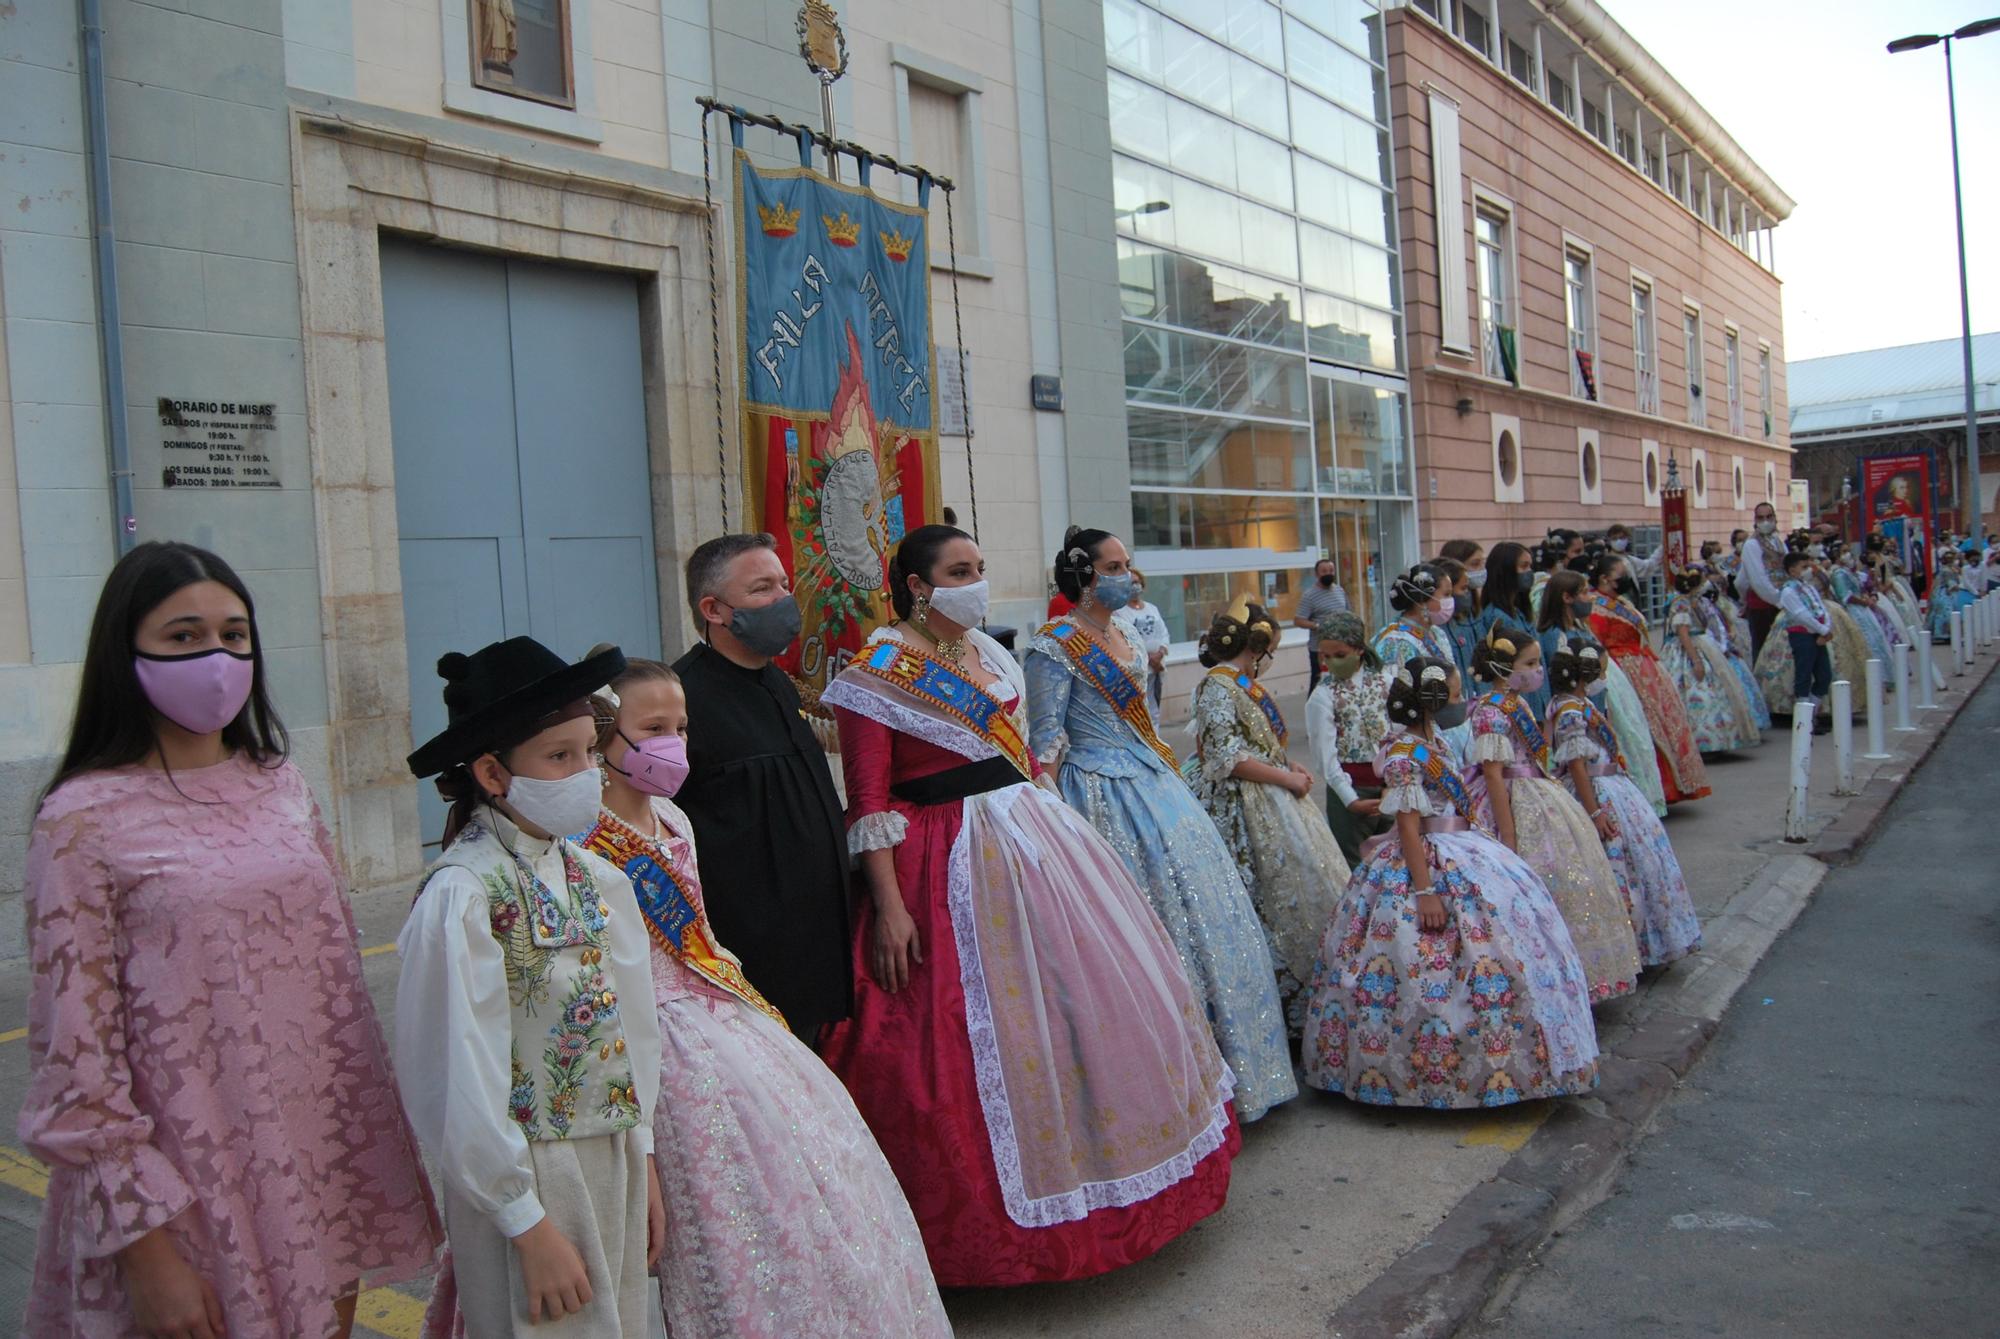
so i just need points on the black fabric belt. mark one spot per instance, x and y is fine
(955, 783)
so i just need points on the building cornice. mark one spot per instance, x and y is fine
(1620, 53)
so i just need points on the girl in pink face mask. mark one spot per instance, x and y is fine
(739, 1094)
(179, 868)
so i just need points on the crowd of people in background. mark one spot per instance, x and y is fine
(692, 1032)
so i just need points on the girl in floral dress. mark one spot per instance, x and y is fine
(1718, 710)
(1346, 718)
(1585, 754)
(783, 1219)
(1260, 801)
(1621, 630)
(1565, 613)
(1731, 634)
(207, 1081)
(1024, 1042)
(1446, 978)
(1513, 794)
(1424, 605)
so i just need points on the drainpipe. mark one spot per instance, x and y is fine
(110, 331)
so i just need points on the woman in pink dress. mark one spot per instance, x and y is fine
(209, 1085)
(1024, 1041)
(783, 1219)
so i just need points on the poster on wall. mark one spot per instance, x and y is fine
(1898, 487)
(839, 405)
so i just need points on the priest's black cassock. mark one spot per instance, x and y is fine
(772, 839)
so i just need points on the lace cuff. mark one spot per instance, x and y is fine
(1492, 748)
(117, 1199)
(1058, 745)
(877, 832)
(1410, 799)
(1219, 764)
(1574, 749)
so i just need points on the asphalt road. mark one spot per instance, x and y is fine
(1828, 1169)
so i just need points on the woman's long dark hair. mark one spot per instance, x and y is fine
(917, 556)
(1506, 592)
(114, 723)
(1563, 587)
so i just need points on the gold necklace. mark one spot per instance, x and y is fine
(951, 652)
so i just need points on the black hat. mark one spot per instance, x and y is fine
(503, 690)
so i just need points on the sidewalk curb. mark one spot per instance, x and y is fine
(1569, 1165)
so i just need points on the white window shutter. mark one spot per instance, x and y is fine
(1448, 191)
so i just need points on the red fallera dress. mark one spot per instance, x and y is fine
(908, 1057)
(1618, 627)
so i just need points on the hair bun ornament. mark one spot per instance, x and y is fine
(1504, 646)
(1432, 674)
(1403, 676)
(454, 666)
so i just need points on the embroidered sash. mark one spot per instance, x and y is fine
(1098, 669)
(1618, 609)
(1255, 692)
(670, 911)
(1436, 769)
(1596, 723)
(943, 688)
(1516, 710)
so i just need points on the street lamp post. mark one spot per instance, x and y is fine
(1974, 512)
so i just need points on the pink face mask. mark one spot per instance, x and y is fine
(657, 766)
(1442, 614)
(200, 692)
(1527, 681)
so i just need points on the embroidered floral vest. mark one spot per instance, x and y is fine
(571, 1078)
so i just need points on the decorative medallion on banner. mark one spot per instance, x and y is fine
(838, 374)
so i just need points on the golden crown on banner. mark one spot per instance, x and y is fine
(842, 231)
(778, 221)
(897, 245)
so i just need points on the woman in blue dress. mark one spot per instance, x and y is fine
(1424, 606)
(1088, 723)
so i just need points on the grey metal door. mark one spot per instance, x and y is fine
(523, 494)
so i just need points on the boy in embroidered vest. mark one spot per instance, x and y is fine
(1808, 629)
(527, 1044)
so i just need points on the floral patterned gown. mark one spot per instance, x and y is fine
(1556, 838)
(1491, 1010)
(1728, 631)
(1045, 1086)
(1282, 844)
(1718, 711)
(1663, 915)
(205, 1057)
(1130, 793)
(783, 1219)
(1623, 632)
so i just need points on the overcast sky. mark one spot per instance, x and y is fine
(1859, 138)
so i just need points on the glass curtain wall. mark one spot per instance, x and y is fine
(1266, 402)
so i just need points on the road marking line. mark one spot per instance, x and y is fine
(1509, 1131)
(383, 1310)
(15, 1035)
(379, 948)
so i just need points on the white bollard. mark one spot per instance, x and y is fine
(1900, 654)
(1795, 809)
(1928, 681)
(1876, 749)
(1957, 617)
(1843, 737)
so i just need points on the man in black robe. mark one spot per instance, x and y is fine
(768, 822)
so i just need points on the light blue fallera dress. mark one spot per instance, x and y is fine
(1113, 774)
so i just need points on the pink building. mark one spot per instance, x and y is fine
(1588, 284)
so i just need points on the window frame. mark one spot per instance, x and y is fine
(969, 220)
(576, 120)
(1646, 375)
(1764, 398)
(1498, 207)
(1732, 374)
(1694, 343)
(1584, 339)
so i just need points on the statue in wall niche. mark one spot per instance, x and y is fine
(498, 34)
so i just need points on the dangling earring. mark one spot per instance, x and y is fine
(920, 612)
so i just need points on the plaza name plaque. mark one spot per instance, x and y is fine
(217, 444)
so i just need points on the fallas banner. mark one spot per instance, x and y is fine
(839, 419)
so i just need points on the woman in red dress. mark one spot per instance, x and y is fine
(1024, 1043)
(1622, 630)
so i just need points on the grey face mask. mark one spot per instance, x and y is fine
(1114, 592)
(1450, 716)
(768, 629)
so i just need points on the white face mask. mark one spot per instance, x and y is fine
(1767, 528)
(1598, 687)
(963, 605)
(565, 808)
(1620, 545)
